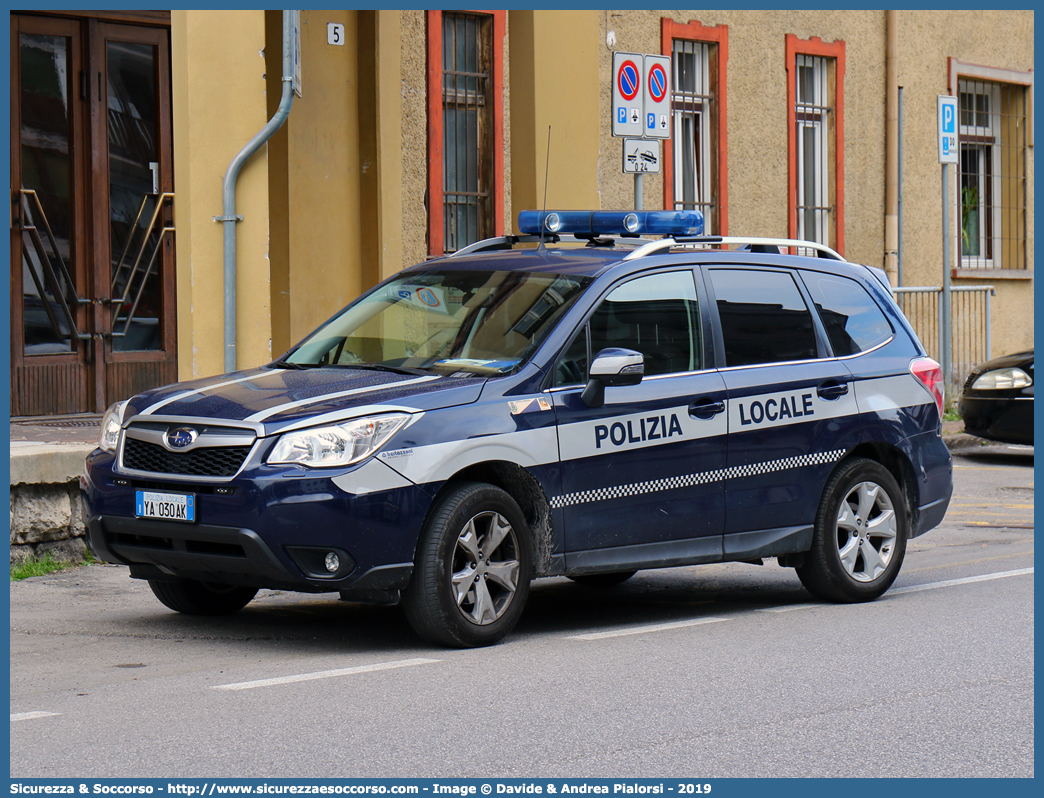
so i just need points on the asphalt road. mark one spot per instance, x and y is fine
(712, 671)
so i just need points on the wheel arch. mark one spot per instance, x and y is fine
(524, 488)
(899, 466)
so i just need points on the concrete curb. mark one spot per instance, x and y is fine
(47, 463)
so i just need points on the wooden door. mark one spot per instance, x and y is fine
(94, 303)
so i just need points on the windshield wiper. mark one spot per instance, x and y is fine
(381, 367)
(286, 364)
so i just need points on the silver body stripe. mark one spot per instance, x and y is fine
(440, 461)
(178, 396)
(372, 477)
(891, 393)
(702, 478)
(638, 430)
(273, 411)
(782, 408)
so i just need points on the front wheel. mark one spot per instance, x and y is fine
(190, 597)
(473, 567)
(860, 534)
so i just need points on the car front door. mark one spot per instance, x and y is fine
(641, 472)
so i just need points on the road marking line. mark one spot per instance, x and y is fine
(963, 581)
(993, 468)
(976, 561)
(307, 677)
(789, 607)
(996, 504)
(638, 630)
(32, 715)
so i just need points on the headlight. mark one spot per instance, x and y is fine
(339, 444)
(1002, 380)
(112, 421)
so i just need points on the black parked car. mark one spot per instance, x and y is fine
(997, 401)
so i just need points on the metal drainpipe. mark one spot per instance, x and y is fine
(228, 190)
(891, 145)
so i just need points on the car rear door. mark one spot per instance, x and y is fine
(787, 403)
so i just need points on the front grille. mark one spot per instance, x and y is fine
(213, 461)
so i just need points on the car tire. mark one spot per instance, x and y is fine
(603, 580)
(859, 539)
(191, 597)
(463, 593)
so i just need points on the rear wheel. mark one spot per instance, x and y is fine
(190, 597)
(860, 534)
(474, 563)
(603, 580)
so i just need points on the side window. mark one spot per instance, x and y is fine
(853, 321)
(657, 315)
(763, 316)
(572, 365)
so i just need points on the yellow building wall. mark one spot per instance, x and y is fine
(927, 39)
(323, 176)
(555, 90)
(218, 95)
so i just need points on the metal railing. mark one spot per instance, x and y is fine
(125, 273)
(48, 269)
(969, 325)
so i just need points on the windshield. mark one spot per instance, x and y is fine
(485, 322)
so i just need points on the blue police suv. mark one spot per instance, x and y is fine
(607, 392)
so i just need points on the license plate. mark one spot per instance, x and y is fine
(165, 506)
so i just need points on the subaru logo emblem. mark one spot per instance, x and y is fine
(181, 438)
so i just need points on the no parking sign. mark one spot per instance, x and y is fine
(641, 105)
(628, 102)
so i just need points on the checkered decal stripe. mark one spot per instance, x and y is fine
(687, 480)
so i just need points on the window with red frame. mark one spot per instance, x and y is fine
(465, 129)
(815, 138)
(695, 156)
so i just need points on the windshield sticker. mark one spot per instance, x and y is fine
(429, 297)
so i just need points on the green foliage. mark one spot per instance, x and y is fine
(47, 564)
(969, 212)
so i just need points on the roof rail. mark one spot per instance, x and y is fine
(500, 242)
(822, 250)
(509, 241)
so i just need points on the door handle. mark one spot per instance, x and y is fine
(705, 407)
(832, 389)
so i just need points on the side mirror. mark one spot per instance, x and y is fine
(612, 367)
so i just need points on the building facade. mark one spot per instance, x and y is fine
(417, 132)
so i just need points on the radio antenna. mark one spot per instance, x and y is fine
(543, 215)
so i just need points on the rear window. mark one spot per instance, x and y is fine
(853, 321)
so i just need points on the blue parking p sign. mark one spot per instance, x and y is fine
(949, 152)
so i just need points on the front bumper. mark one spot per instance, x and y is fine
(268, 527)
(1004, 419)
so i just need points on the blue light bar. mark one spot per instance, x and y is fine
(620, 223)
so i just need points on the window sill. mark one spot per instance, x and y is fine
(994, 274)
